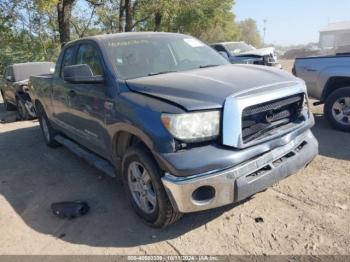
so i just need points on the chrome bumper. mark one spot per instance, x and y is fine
(237, 183)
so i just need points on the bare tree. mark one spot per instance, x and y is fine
(64, 12)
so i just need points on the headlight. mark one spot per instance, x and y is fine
(306, 105)
(193, 127)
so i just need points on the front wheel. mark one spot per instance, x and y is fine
(337, 109)
(144, 188)
(21, 109)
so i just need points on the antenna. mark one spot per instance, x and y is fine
(265, 21)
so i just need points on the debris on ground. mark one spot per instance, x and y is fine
(259, 220)
(70, 210)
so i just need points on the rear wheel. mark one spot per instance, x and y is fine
(337, 109)
(47, 130)
(144, 188)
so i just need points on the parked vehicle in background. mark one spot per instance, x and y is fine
(14, 88)
(242, 53)
(301, 52)
(185, 129)
(328, 80)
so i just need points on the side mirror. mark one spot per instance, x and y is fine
(10, 78)
(224, 54)
(80, 74)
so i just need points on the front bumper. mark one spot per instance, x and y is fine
(29, 106)
(243, 180)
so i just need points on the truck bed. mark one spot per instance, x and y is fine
(316, 71)
(39, 85)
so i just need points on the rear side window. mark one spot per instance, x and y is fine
(88, 54)
(67, 58)
(219, 48)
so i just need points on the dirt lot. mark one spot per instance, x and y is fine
(308, 213)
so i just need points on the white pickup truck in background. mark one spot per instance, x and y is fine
(328, 80)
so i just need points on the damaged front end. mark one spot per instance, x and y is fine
(24, 101)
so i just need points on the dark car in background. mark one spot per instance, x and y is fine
(242, 53)
(14, 88)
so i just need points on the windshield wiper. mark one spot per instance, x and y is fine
(205, 66)
(162, 72)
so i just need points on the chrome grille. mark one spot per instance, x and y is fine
(263, 119)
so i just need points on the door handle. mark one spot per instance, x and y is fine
(311, 70)
(72, 93)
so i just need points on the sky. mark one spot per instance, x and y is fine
(292, 22)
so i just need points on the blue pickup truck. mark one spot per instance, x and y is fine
(185, 129)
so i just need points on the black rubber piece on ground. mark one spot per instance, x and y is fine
(70, 210)
(259, 220)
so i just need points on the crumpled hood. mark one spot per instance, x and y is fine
(22, 82)
(259, 52)
(19, 85)
(207, 88)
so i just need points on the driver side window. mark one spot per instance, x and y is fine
(87, 54)
(67, 58)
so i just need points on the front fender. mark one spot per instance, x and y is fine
(140, 116)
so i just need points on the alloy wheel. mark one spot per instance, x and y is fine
(341, 110)
(141, 187)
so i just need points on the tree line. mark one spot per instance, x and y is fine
(35, 30)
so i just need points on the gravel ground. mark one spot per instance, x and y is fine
(307, 213)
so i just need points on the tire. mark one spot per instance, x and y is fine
(48, 131)
(337, 109)
(158, 211)
(8, 106)
(22, 110)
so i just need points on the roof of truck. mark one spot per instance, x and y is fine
(339, 26)
(225, 43)
(30, 64)
(126, 35)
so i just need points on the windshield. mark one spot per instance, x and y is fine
(150, 55)
(238, 48)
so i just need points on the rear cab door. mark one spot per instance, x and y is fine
(88, 101)
(61, 113)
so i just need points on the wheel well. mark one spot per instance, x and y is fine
(123, 140)
(333, 84)
(38, 106)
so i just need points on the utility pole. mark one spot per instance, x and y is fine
(265, 21)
